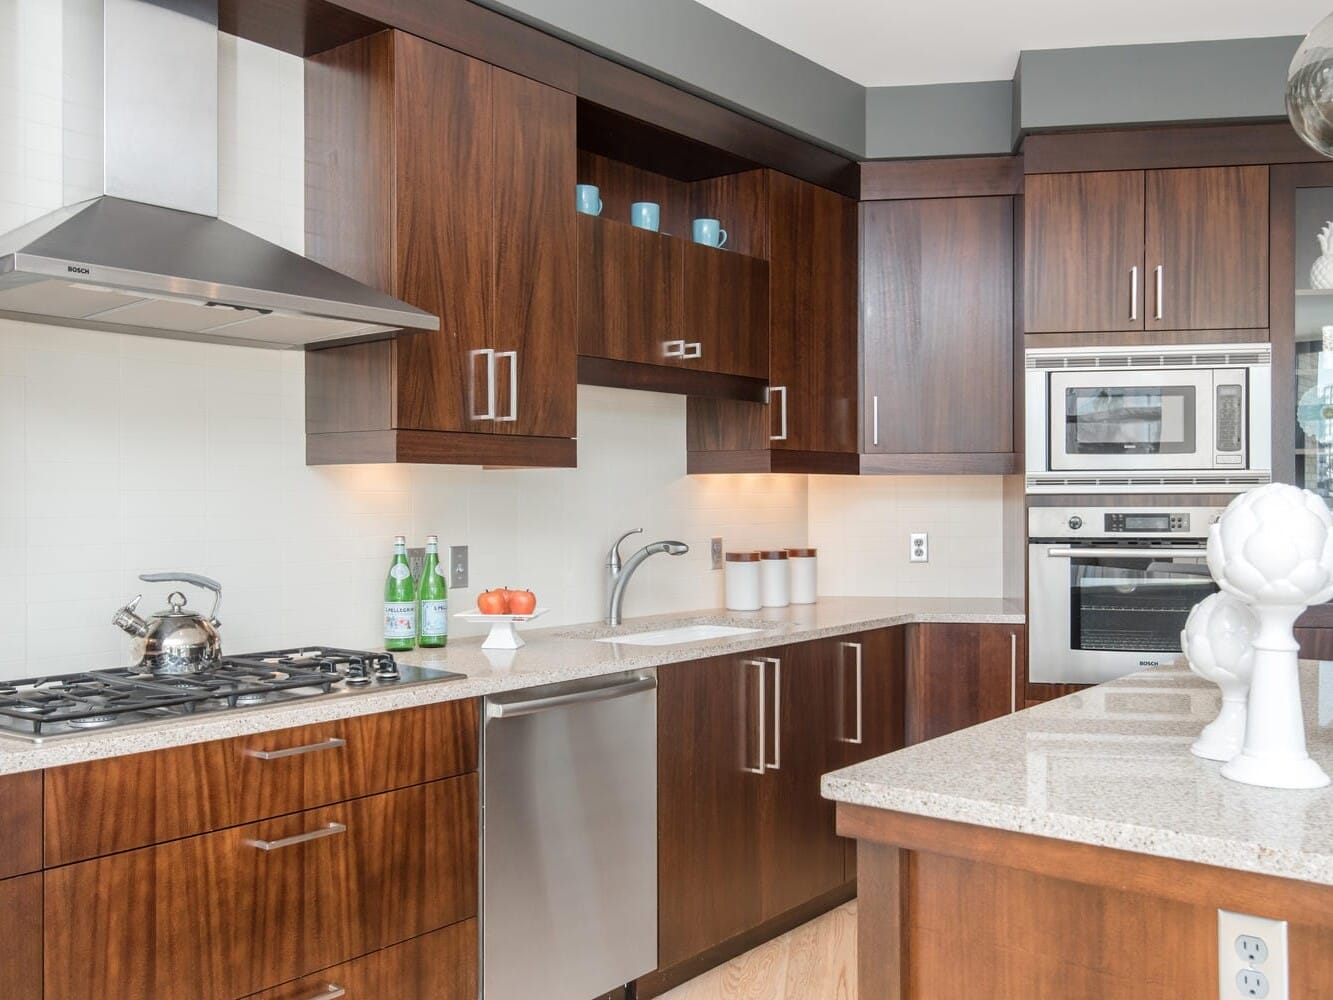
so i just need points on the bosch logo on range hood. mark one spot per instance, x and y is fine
(149, 255)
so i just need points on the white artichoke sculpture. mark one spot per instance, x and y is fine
(1273, 546)
(1218, 640)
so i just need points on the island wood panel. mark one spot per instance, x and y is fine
(1207, 230)
(725, 311)
(214, 917)
(1083, 235)
(959, 675)
(937, 326)
(813, 314)
(631, 297)
(441, 965)
(118, 803)
(536, 272)
(708, 805)
(800, 853)
(20, 823)
(21, 934)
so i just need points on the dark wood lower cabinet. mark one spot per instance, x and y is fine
(21, 937)
(20, 823)
(441, 965)
(961, 674)
(226, 914)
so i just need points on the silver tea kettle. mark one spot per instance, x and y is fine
(174, 641)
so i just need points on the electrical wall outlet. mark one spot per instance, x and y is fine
(716, 551)
(458, 566)
(416, 559)
(920, 547)
(1251, 957)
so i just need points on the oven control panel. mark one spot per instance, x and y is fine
(1134, 522)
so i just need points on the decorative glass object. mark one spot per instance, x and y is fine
(1218, 640)
(1310, 88)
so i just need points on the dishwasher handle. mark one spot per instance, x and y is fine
(512, 710)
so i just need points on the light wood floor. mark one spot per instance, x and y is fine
(817, 961)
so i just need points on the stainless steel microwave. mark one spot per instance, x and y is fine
(1190, 419)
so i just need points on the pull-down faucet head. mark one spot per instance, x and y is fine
(617, 577)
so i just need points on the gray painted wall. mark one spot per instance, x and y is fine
(951, 119)
(688, 44)
(1129, 84)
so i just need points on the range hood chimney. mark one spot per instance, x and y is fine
(148, 254)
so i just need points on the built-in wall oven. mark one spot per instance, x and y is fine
(1148, 419)
(1109, 588)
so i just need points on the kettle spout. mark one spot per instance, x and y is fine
(126, 619)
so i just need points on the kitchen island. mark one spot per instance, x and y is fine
(1078, 851)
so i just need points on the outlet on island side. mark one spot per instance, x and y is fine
(1251, 957)
(919, 547)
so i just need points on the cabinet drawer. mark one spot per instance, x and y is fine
(441, 965)
(20, 823)
(229, 913)
(121, 803)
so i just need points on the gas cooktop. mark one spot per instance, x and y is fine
(43, 708)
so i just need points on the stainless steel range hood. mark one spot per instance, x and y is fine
(149, 255)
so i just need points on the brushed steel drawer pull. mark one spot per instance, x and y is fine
(332, 743)
(860, 713)
(331, 991)
(328, 830)
(777, 715)
(762, 715)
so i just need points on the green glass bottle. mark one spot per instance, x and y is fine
(433, 595)
(400, 601)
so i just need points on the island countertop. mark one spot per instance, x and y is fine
(560, 653)
(1111, 767)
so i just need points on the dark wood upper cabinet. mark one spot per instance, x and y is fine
(725, 312)
(937, 326)
(630, 292)
(961, 674)
(1206, 248)
(1131, 250)
(444, 181)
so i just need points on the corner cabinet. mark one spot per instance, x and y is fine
(959, 675)
(446, 182)
(937, 331)
(1144, 250)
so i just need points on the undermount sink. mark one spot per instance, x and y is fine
(685, 633)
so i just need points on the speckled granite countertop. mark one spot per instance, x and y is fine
(1111, 767)
(554, 654)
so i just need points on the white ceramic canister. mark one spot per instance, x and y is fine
(743, 581)
(801, 564)
(774, 586)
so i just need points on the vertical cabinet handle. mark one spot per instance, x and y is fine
(782, 436)
(512, 357)
(1134, 292)
(776, 765)
(1013, 672)
(874, 421)
(489, 355)
(763, 719)
(860, 732)
(1157, 311)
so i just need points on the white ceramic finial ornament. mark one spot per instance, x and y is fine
(1273, 549)
(1218, 639)
(1321, 272)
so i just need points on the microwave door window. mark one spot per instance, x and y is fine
(1133, 604)
(1130, 420)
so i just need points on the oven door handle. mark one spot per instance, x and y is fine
(1109, 553)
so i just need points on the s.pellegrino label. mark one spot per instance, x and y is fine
(433, 598)
(400, 601)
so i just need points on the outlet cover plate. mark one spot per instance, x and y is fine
(458, 566)
(919, 547)
(416, 559)
(716, 551)
(1236, 933)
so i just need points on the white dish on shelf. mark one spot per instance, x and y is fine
(503, 634)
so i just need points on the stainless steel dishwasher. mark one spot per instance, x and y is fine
(569, 838)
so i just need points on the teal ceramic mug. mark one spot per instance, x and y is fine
(710, 233)
(646, 215)
(587, 199)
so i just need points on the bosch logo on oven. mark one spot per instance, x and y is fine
(1150, 663)
(75, 269)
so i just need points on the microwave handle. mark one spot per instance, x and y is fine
(1107, 553)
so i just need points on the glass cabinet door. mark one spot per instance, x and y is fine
(1313, 305)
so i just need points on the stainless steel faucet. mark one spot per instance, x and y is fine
(617, 577)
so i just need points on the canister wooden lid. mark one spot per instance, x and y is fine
(800, 553)
(742, 557)
(775, 554)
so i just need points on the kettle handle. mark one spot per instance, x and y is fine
(206, 582)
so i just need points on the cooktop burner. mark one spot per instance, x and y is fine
(43, 707)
